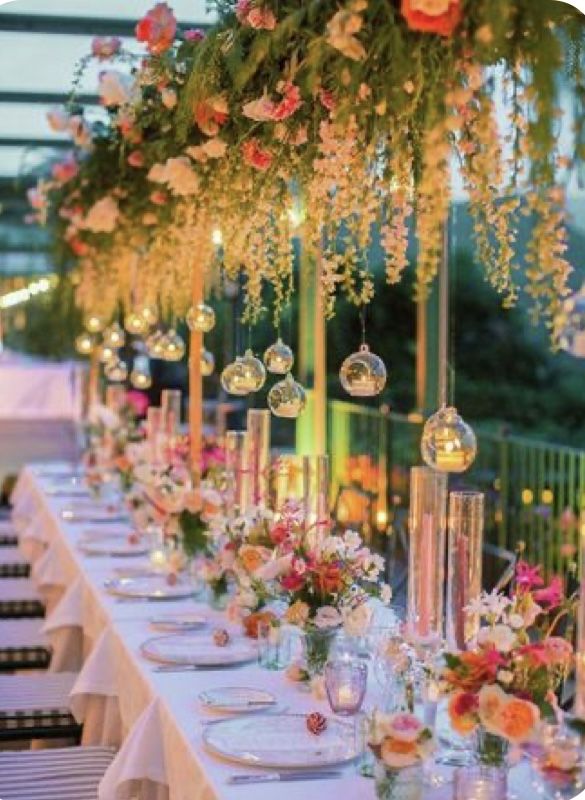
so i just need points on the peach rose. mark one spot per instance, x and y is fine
(432, 16)
(252, 557)
(518, 720)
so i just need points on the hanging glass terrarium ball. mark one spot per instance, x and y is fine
(233, 379)
(94, 323)
(287, 398)
(363, 374)
(448, 443)
(140, 377)
(207, 362)
(84, 344)
(108, 354)
(173, 346)
(114, 336)
(254, 371)
(149, 314)
(155, 344)
(135, 323)
(201, 318)
(279, 358)
(116, 371)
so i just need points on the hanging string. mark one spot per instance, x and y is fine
(444, 317)
(363, 322)
(452, 320)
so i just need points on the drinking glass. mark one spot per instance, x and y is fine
(345, 683)
(274, 645)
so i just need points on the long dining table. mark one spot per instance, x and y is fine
(156, 717)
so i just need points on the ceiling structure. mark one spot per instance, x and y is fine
(41, 42)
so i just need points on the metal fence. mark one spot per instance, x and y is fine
(535, 492)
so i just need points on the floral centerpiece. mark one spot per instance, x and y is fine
(401, 744)
(506, 684)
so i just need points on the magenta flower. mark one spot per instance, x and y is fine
(552, 595)
(528, 577)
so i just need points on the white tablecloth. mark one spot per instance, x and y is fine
(155, 716)
(38, 391)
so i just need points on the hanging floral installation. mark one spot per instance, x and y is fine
(344, 120)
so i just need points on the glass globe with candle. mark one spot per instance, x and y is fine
(84, 344)
(94, 323)
(108, 354)
(173, 348)
(140, 377)
(114, 336)
(279, 358)
(135, 323)
(253, 372)
(149, 314)
(363, 374)
(448, 443)
(287, 398)
(155, 344)
(233, 379)
(200, 318)
(116, 371)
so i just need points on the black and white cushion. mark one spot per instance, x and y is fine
(37, 707)
(8, 534)
(19, 598)
(23, 645)
(71, 773)
(12, 563)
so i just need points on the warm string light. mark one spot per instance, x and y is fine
(19, 296)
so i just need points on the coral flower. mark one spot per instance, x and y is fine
(518, 720)
(462, 709)
(328, 579)
(136, 159)
(255, 155)
(475, 670)
(65, 170)
(157, 29)
(432, 16)
(211, 114)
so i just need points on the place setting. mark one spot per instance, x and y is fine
(215, 649)
(112, 544)
(150, 587)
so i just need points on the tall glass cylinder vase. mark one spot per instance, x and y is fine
(316, 495)
(287, 481)
(258, 457)
(115, 397)
(154, 432)
(237, 470)
(170, 403)
(465, 542)
(426, 523)
(580, 644)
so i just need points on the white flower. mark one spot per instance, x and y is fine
(247, 598)
(273, 568)
(115, 88)
(385, 593)
(168, 98)
(58, 119)
(327, 617)
(515, 621)
(180, 177)
(102, 415)
(352, 540)
(492, 604)
(356, 621)
(502, 637)
(505, 676)
(102, 217)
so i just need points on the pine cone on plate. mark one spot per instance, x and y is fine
(316, 723)
(220, 637)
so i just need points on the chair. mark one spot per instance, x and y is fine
(19, 598)
(23, 646)
(71, 773)
(37, 707)
(12, 564)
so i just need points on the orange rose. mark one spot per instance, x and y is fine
(252, 622)
(432, 16)
(252, 558)
(517, 720)
(328, 579)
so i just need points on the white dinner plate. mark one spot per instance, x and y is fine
(198, 650)
(111, 545)
(281, 741)
(236, 699)
(178, 623)
(149, 587)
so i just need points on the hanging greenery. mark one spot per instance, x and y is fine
(343, 119)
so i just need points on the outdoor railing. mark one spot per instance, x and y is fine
(535, 492)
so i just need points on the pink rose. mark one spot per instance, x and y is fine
(194, 35)
(559, 651)
(104, 48)
(255, 155)
(157, 29)
(261, 19)
(136, 159)
(290, 103)
(552, 595)
(159, 198)
(65, 170)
